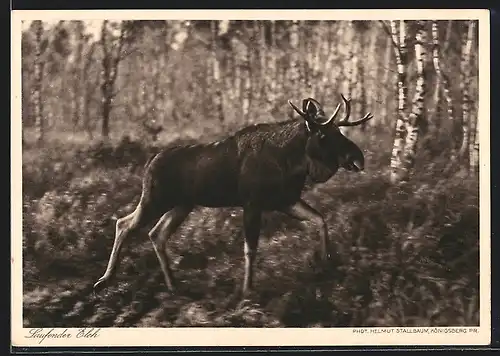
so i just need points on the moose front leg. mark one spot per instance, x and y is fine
(252, 218)
(304, 212)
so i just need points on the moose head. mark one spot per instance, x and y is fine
(327, 148)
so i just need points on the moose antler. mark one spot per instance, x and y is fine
(365, 118)
(301, 113)
(333, 115)
(345, 120)
(342, 122)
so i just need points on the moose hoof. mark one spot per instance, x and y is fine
(250, 295)
(99, 284)
(171, 290)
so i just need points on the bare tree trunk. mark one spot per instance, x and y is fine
(466, 71)
(416, 118)
(307, 45)
(474, 141)
(447, 37)
(304, 53)
(75, 91)
(218, 99)
(257, 60)
(85, 95)
(385, 80)
(109, 73)
(247, 81)
(152, 66)
(271, 69)
(230, 80)
(166, 79)
(443, 84)
(326, 58)
(150, 122)
(437, 88)
(157, 92)
(281, 83)
(160, 55)
(37, 84)
(263, 49)
(474, 151)
(361, 81)
(294, 75)
(319, 34)
(252, 51)
(373, 70)
(105, 75)
(351, 61)
(237, 78)
(237, 82)
(402, 62)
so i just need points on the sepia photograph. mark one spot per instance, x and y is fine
(244, 170)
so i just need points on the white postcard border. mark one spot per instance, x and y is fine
(191, 336)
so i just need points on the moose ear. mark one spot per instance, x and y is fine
(309, 107)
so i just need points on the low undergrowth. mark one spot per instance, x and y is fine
(407, 255)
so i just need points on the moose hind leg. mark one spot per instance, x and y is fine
(125, 226)
(304, 212)
(252, 219)
(159, 235)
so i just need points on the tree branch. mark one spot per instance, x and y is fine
(389, 33)
(103, 38)
(126, 54)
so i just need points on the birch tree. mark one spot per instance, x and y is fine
(112, 54)
(159, 55)
(417, 115)
(258, 73)
(88, 86)
(474, 143)
(316, 47)
(401, 52)
(75, 62)
(360, 78)
(442, 88)
(294, 72)
(239, 59)
(303, 84)
(217, 95)
(387, 79)
(142, 95)
(465, 80)
(351, 61)
(474, 152)
(230, 82)
(37, 82)
(271, 72)
(247, 79)
(332, 72)
(327, 54)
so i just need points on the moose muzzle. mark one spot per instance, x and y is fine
(355, 166)
(358, 166)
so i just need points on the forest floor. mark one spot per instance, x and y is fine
(408, 254)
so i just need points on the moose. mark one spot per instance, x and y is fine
(259, 168)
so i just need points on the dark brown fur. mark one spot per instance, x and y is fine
(259, 168)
